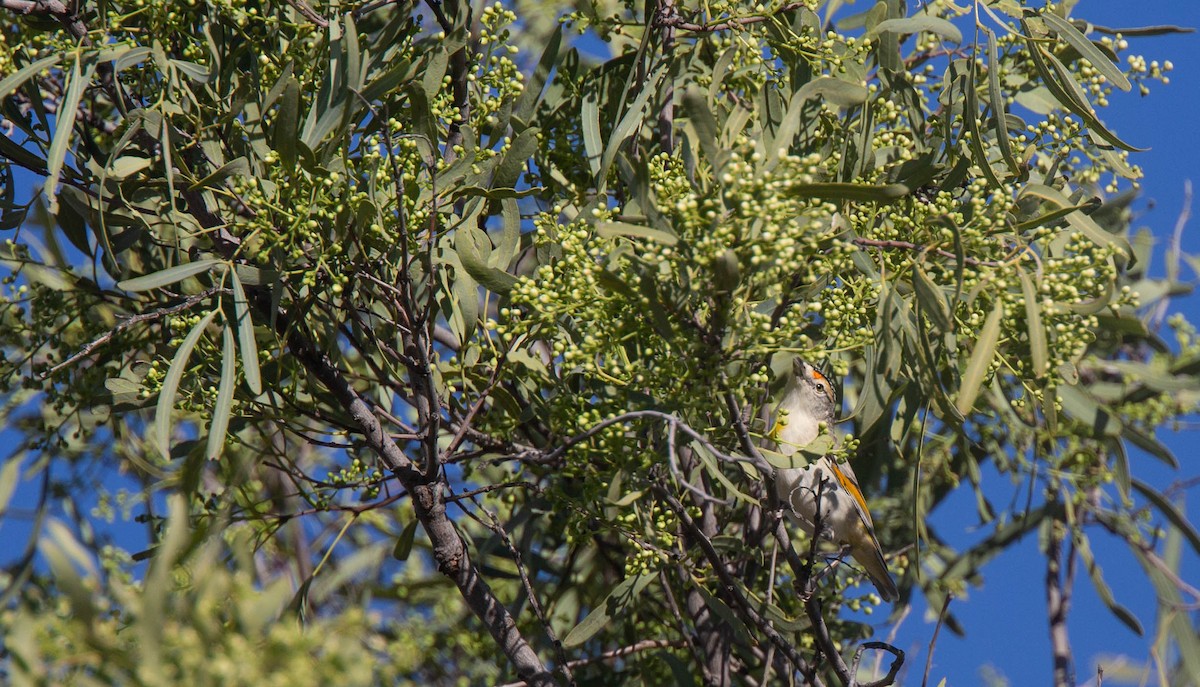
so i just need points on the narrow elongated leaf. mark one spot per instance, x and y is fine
(287, 118)
(1078, 405)
(630, 122)
(9, 476)
(510, 235)
(709, 461)
(932, 300)
(404, 543)
(838, 190)
(589, 119)
(1062, 85)
(613, 604)
(1067, 31)
(975, 140)
(981, 359)
(1078, 220)
(1171, 511)
(999, 111)
(63, 130)
(513, 164)
(166, 396)
(1120, 468)
(218, 427)
(168, 276)
(611, 229)
(21, 156)
(1037, 329)
(922, 23)
(247, 344)
(536, 82)
(11, 82)
(1102, 589)
(695, 105)
(127, 166)
(237, 167)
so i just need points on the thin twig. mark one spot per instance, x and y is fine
(893, 670)
(644, 645)
(908, 245)
(132, 320)
(678, 22)
(564, 665)
(729, 584)
(309, 13)
(933, 640)
(63, 14)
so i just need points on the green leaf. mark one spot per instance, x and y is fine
(404, 543)
(1062, 85)
(237, 167)
(14, 80)
(631, 121)
(613, 605)
(467, 242)
(999, 110)
(614, 228)
(513, 164)
(64, 128)
(589, 119)
(9, 476)
(700, 117)
(1120, 468)
(248, 345)
(166, 396)
(1102, 589)
(127, 166)
(287, 118)
(1078, 221)
(971, 120)
(1067, 31)
(921, 23)
(195, 72)
(838, 190)
(1077, 404)
(1037, 329)
(1177, 518)
(981, 359)
(218, 427)
(535, 84)
(933, 301)
(168, 276)
(710, 463)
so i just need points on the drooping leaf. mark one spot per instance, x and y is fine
(170, 385)
(613, 604)
(168, 276)
(218, 426)
(980, 361)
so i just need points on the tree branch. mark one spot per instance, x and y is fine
(1057, 608)
(63, 14)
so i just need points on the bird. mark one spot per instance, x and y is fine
(808, 401)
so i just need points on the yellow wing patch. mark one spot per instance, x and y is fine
(852, 488)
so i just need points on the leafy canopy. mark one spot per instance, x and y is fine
(507, 294)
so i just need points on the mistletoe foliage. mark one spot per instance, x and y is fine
(437, 342)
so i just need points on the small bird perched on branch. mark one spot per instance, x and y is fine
(808, 400)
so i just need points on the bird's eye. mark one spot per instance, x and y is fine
(820, 387)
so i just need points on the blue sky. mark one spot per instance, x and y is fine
(1005, 618)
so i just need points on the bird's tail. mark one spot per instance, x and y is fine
(871, 559)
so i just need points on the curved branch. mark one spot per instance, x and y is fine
(63, 14)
